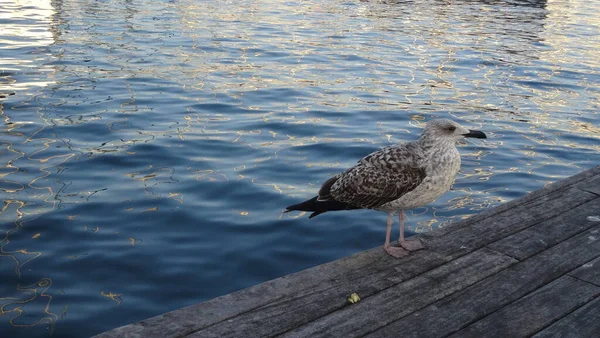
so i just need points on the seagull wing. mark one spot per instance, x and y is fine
(378, 178)
(371, 187)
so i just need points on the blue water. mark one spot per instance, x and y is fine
(148, 148)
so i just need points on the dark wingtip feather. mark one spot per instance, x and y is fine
(316, 213)
(319, 207)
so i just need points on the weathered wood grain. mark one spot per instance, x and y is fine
(372, 271)
(590, 271)
(533, 312)
(186, 320)
(483, 232)
(383, 273)
(362, 270)
(537, 195)
(539, 237)
(590, 184)
(306, 305)
(375, 310)
(452, 313)
(583, 323)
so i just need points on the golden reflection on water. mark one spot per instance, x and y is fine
(15, 307)
(117, 297)
(501, 95)
(18, 306)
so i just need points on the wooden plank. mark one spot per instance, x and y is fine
(535, 311)
(378, 272)
(186, 320)
(369, 271)
(537, 195)
(537, 238)
(385, 272)
(373, 311)
(581, 323)
(452, 313)
(568, 215)
(590, 184)
(476, 234)
(589, 272)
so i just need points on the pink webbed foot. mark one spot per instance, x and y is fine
(395, 251)
(412, 244)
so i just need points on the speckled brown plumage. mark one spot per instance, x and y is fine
(398, 177)
(376, 180)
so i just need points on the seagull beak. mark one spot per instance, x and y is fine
(475, 134)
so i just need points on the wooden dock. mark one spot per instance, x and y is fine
(530, 267)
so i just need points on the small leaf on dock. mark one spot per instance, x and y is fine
(354, 298)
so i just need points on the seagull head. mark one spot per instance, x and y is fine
(444, 129)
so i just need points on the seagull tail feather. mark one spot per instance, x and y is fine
(319, 207)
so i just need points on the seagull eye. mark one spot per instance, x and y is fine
(451, 129)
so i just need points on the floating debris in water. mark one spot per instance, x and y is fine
(114, 296)
(593, 218)
(135, 241)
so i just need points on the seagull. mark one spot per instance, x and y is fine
(395, 178)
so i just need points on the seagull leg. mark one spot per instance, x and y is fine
(410, 245)
(392, 250)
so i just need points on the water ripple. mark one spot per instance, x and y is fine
(148, 149)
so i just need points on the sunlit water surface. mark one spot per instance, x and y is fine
(148, 148)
